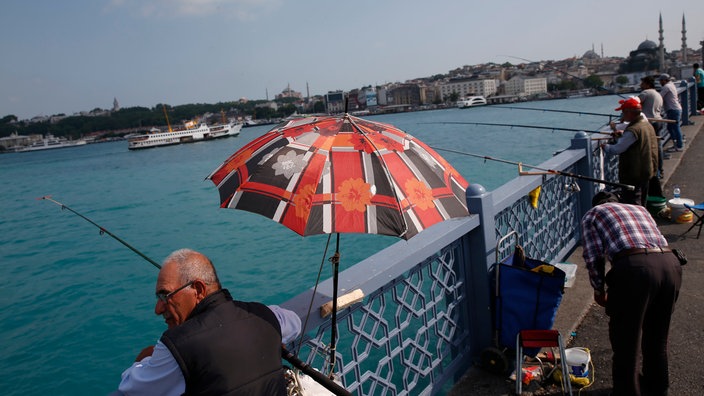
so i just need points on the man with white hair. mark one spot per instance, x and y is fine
(214, 345)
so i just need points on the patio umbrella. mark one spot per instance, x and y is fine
(342, 174)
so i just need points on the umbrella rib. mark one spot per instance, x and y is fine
(387, 173)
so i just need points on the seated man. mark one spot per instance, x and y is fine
(213, 344)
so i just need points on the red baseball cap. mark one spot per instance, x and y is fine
(632, 103)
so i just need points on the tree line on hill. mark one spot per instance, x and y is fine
(114, 123)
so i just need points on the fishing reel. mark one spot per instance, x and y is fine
(572, 187)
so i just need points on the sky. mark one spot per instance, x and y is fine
(77, 55)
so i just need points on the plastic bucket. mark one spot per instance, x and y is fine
(578, 360)
(678, 213)
(655, 204)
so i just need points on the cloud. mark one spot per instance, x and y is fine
(239, 9)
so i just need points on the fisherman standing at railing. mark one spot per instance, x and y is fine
(651, 102)
(637, 149)
(698, 74)
(673, 111)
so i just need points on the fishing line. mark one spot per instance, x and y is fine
(611, 116)
(518, 126)
(288, 356)
(547, 171)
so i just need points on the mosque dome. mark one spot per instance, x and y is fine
(590, 55)
(647, 45)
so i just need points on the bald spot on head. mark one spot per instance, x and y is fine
(191, 265)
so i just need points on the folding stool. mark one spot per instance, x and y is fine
(540, 339)
(700, 218)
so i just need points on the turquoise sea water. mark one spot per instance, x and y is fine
(76, 307)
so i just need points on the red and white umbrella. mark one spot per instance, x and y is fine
(342, 174)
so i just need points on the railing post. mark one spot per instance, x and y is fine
(585, 166)
(479, 245)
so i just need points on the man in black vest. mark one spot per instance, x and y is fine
(214, 345)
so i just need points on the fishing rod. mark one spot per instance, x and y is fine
(102, 229)
(544, 170)
(288, 356)
(665, 120)
(601, 87)
(517, 126)
(558, 111)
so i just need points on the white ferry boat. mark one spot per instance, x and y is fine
(49, 142)
(471, 102)
(187, 135)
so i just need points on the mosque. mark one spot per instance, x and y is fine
(652, 57)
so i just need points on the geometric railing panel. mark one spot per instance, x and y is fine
(401, 338)
(544, 231)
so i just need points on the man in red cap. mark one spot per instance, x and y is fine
(637, 149)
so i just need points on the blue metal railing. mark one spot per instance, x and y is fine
(426, 312)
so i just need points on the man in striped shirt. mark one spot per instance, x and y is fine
(639, 291)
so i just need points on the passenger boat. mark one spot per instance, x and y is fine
(49, 142)
(471, 102)
(190, 133)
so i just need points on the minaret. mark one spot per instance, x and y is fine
(115, 105)
(684, 41)
(661, 48)
(602, 50)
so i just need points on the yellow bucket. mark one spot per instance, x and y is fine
(678, 212)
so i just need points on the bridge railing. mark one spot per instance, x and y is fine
(426, 311)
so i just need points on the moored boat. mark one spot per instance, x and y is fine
(188, 134)
(471, 102)
(49, 142)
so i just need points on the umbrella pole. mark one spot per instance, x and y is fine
(335, 260)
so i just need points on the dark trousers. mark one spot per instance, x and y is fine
(637, 196)
(642, 291)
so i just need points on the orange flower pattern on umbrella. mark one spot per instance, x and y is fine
(331, 171)
(355, 194)
(304, 200)
(419, 194)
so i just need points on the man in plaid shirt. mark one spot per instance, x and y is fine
(639, 291)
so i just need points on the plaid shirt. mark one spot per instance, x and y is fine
(612, 227)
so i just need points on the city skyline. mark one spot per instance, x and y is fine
(79, 55)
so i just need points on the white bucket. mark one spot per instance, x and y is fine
(578, 361)
(678, 213)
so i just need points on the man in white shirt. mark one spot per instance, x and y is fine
(213, 344)
(673, 111)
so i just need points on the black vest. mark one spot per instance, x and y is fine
(228, 347)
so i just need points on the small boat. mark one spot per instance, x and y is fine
(582, 93)
(471, 102)
(190, 133)
(49, 142)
